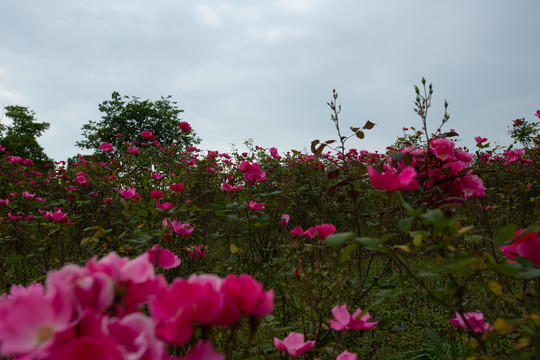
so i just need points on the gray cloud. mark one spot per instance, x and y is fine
(264, 70)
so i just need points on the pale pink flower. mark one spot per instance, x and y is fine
(183, 230)
(472, 321)
(442, 148)
(127, 193)
(30, 320)
(294, 344)
(346, 356)
(346, 321)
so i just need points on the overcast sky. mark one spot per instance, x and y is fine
(265, 69)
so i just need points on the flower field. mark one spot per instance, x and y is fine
(426, 251)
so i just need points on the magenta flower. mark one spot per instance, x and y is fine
(294, 344)
(480, 139)
(133, 150)
(252, 172)
(346, 321)
(248, 294)
(253, 205)
(177, 187)
(524, 245)
(195, 251)
(471, 185)
(537, 113)
(165, 258)
(228, 188)
(156, 176)
(148, 135)
(164, 206)
(473, 321)
(392, 181)
(106, 147)
(325, 230)
(297, 231)
(184, 126)
(107, 200)
(118, 135)
(154, 194)
(284, 219)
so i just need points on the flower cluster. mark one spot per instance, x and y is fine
(95, 310)
(252, 172)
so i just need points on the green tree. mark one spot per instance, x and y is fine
(20, 136)
(130, 117)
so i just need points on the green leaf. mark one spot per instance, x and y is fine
(347, 252)
(506, 269)
(367, 242)
(405, 225)
(506, 232)
(336, 241)
(433, 216)
(529, 274)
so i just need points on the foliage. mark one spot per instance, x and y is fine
(413, 264)
(126, 118)
(20, 136)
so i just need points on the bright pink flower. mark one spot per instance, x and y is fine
(58, 216)
(252, 172)
(14, 217)
(480, 139)
(228, 188)
(195, 251)
(325, 230)
(524, 245)
(442, 148)
(164, 206)
(311, 232)
(183, 230)
(297, 231)
(148, 135)
(346, 356)
(127, 193)
(154, 194)
(184, 126)
(182, 305)
(253, 205)
(4, 201)
(294, 344)
(392, 181)
(156, 176)
(473, 321)
(107, 200)
(249, 294)
(118, 135)
(537, 113)
(284, 220)
(177, 187)
(106, 147)
(346, 321)
(166, 259)
(133, 150)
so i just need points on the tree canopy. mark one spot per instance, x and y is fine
(20, 136)
(124, 119)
